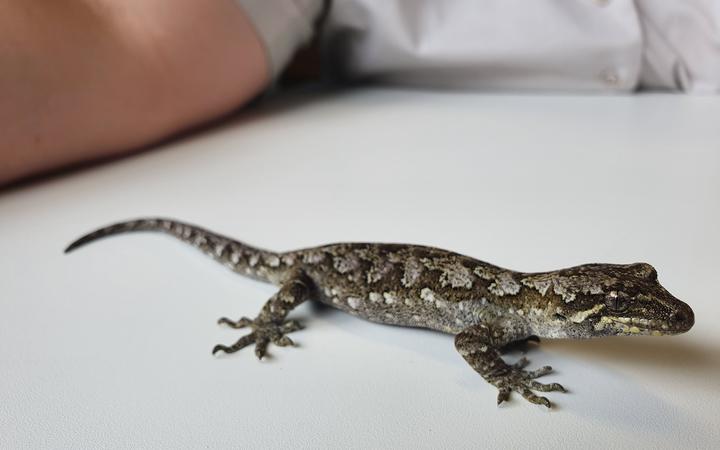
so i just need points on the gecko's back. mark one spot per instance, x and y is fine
(398, 284)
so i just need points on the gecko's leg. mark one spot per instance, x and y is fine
(270, 325)
(480, 346)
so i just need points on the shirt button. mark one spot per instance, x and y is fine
(610, 77)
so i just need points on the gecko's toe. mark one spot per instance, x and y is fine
(539, 372)
(240, 323)
(549, 387)
(290, 326)
(219, 348)
(522, 363)
(503, 395)
(238, 345)
(261, 347)
(284, 342)
(536, 399)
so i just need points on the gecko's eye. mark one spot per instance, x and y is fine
(644, 270)
(652, 274)
(616, 302)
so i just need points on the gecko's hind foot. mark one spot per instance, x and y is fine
(515, 378)
(262, 335)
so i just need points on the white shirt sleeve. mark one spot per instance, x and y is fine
(283, 26)
(588, 45)
(681, 45)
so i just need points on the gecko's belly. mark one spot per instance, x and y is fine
(405, 310)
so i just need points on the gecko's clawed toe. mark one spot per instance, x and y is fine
(503, 395)
(290, 326)
(284, 341)
(261, 347)
(544, 370)
(240, 323)
(238, 345)
(549, 387)
(532, 398)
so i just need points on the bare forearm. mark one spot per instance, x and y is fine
(86, 79)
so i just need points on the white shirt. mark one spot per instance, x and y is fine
(580, 45)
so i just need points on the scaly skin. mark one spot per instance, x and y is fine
(486, 307)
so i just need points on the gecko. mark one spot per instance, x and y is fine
(487, 308)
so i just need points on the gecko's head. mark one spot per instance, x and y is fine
(610, 299)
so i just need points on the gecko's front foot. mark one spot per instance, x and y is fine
(480, 345)
(263, 333)
(514, 378)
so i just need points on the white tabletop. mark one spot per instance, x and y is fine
(110, 346)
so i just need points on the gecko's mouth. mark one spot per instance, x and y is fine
(641, 326)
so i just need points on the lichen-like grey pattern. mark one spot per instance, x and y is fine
(486, 307)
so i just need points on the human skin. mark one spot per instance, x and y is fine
(87, 79)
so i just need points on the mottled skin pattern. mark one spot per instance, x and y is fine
(486, 307)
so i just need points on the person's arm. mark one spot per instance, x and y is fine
(83, 79)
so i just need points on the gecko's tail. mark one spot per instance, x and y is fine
(240, 257)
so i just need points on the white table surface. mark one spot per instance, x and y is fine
(110, 346)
